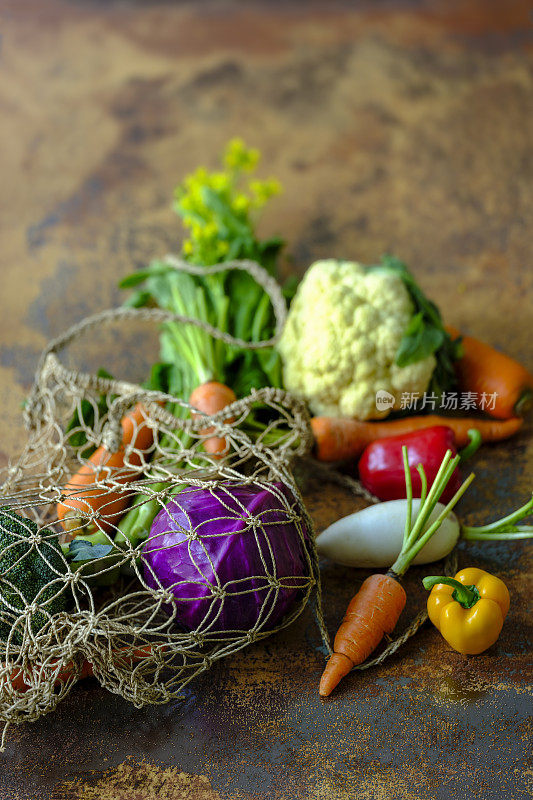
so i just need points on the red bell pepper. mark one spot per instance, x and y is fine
(381, 465)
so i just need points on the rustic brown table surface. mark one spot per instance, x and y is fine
(394, 126)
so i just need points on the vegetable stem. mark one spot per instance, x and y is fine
(426, 535)
(466, 595)
(409, 493)
(424, 480)
(439, 484)
(473, 446)
(525, 532)
(524, 403)
(503, 525)
(415, 535)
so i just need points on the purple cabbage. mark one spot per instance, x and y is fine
(204, 540)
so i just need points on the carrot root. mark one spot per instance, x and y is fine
(86, 669)
(489, 373)
(340, 439)
(336, 669)
(210, 398)
(83, 498)
(371, 613)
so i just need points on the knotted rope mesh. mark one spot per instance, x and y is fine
(154, 610)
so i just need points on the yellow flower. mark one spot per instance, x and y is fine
(241, 203)
(273, 187)
(220, 181)
(210, 230)
(238, 157)
(206, 202)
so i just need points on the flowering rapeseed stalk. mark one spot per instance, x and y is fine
(220, 210)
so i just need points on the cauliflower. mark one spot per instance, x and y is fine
(341, 339)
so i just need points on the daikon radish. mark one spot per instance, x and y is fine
(373, 537)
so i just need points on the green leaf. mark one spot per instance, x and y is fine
(134, 279)
(289, 288)
(268, 252)
(245, 295)
(239, 247)
(139, 276)
(272, 244)
(418, 342)
(86, 551)
(248, 375)
(138, 300)
(158, 380)
(78, 438)
(425, 334)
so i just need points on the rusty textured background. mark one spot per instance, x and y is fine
(401, 126)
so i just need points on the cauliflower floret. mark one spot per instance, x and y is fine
(341, 338)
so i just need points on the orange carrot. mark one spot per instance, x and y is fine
(372, 612)
(86, 669)
(68, 671)
(210, 398)
(81, 500)
(339, 438)
(491, 374)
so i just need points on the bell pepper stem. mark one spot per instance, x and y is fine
(474, 444)
(524, 403)
(466, 596)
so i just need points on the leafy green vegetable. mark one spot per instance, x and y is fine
(95, 558)
(82, 550)
(220, 215)
(425, 334)
(84, 417)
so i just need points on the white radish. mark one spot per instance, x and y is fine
(374, 536)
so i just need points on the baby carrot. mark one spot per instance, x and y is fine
(84, 497)
(371, 613)
(376, 607)
(210, 398)
(339, 438)
(490, 374)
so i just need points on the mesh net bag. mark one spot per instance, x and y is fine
(223, 553)
(232, 558)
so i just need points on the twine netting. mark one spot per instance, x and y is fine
(141, 635)
(144, 636)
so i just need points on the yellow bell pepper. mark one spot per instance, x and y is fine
(469, 609)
